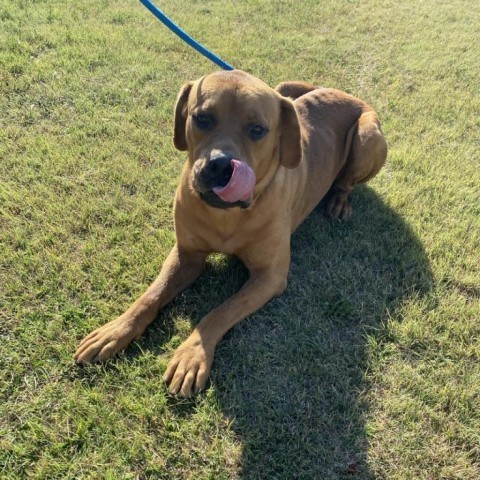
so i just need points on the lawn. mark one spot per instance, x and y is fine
(368, 367)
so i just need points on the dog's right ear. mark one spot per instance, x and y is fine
(179, 132)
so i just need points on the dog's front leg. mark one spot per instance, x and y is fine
(179, 270)
(190, 366)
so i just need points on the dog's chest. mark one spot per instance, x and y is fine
(225, 240)
(211, 234)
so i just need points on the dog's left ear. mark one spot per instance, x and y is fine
(290, 137)
(179, 132)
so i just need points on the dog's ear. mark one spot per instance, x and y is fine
(290, 137)
(294, 90)
(179, 137)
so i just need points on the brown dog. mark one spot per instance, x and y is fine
(258, 164)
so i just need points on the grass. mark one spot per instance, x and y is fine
(367, 367)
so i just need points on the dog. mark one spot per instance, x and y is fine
(259, 161)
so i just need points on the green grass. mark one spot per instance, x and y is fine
(368, 366)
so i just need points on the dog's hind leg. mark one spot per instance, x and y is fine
(366, 156)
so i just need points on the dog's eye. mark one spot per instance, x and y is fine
(204, 121)
(256, 132)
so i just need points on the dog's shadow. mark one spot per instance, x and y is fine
(293, 376)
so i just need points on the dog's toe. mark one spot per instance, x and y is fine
(339, 207)
(187, 373)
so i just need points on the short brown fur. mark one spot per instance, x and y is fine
(324, 140)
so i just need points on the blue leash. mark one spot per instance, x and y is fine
(184, 36)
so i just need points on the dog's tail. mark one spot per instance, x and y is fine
(294, 90)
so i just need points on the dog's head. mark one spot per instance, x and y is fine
(237, 131)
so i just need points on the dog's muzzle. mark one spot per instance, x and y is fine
(224, 182)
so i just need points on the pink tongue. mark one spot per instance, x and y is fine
(241, 184)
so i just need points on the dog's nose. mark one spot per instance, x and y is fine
(220, 167)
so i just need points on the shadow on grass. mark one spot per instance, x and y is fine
(293, 376)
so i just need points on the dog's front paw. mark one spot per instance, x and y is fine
(104, 342)
(187, 372)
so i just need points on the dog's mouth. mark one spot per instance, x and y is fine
(214, 200)
(226, 187)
